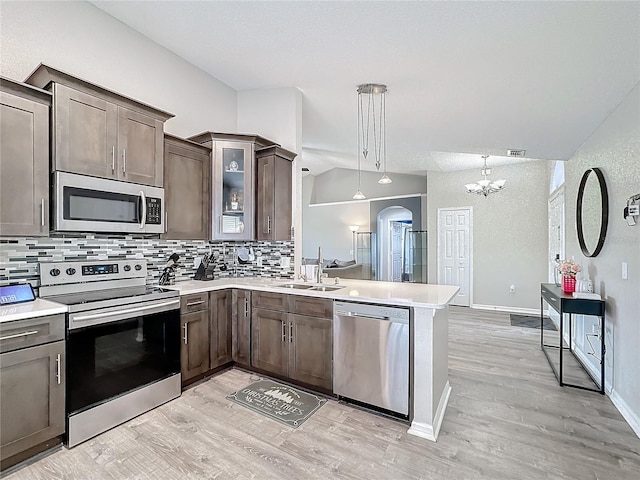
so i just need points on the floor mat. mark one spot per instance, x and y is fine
(285, 404)
(531, 321)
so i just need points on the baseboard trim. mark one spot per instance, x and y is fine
(430, 432)
(632, 418)
(501, 308)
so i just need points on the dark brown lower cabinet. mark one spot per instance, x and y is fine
(194, 354)
(31, 397)
(269, 341)
(310, 350)
(293, 345)
(220, 328)
(241, 327)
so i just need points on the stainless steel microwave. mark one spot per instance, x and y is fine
(89, 204)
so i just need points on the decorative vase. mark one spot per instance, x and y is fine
(569, 283)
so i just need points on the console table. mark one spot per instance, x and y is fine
(563, 303)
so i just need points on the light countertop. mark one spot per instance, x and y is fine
(38, 308)
(385, 293)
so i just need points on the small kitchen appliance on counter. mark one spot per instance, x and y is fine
(123, 342)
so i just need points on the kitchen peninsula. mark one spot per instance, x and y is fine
(428, 304)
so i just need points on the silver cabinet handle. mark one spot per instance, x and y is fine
(268, 223)
(58, 377)
(42, 212)
(290, 332)
(191, 304)
(18, 335)
(284, 332)
(124, 160)
(186, 333)
(113, 159)
(246, 307)
(143, 221)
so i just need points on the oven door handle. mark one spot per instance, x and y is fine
(98, 318)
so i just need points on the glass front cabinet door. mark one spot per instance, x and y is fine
(232, 191)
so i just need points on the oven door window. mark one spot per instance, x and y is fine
(107, 360)
(92, 205)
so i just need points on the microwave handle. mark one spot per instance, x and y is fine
(143, 220)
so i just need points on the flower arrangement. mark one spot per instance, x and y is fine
(569, 267)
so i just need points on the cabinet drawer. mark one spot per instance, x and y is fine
(34, 331)
(270, 301)
(194, 302)
(311, 306)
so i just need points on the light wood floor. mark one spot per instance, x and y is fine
(507, 419)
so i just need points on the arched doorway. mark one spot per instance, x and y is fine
(393, 224)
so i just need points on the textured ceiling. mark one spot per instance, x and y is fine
(463, 77)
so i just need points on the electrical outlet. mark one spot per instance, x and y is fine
(512, 288)
(625, 271)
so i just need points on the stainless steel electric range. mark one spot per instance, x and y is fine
(123, 342)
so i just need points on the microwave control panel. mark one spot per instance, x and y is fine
(154, 211)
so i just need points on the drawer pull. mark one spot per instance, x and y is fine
(58, 369)
(186, 333)
(191, 304)
(17, 335)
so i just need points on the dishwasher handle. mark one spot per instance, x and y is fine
(368, 316)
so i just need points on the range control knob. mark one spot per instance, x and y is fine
(138, 267)
(54, 272)
(71, 271)
(127, 268)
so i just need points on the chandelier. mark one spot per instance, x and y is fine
(485, 186)
(372, 129)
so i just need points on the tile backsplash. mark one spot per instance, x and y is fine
(20, 257)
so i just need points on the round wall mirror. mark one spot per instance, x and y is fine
(592, 212)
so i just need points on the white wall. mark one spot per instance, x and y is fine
(274, 113)
(82, 40)
(509, 231)
(339, 185)
(615, 148)
(328, 225)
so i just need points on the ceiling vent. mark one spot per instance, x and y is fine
(515, 153)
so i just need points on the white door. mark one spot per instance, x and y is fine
(454, 252)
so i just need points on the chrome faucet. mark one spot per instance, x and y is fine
(319, 270)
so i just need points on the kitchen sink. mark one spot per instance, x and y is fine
(297, 286)
(326, 288)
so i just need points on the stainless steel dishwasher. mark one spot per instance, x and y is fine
(371, 355)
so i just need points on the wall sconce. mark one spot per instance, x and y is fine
(354, 229)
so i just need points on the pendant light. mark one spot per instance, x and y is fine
(372, 125)
(485, 186)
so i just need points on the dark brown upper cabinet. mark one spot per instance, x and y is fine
(273, 193)
(24, 159)
(187, 171)
(99, 132)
